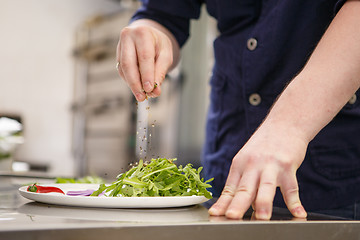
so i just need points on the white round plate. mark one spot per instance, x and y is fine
(107, 202)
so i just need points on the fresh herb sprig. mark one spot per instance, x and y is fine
(160, 177)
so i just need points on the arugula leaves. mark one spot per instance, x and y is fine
(87, 179)
(161, 177)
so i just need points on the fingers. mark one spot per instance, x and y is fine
(128, 69)
(264, 163)
(145, 51)
(290, 191)
(163, 62)
(221, 205)
(244, 195)
(157, 90)
(252, 189)
(265, 195)
(144, 57)
(257, 187)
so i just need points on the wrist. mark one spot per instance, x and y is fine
(294, 114)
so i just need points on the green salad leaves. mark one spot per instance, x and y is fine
(87, 179)
(160, 177)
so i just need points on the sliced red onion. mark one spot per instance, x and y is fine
(102, 194)
(87, 192)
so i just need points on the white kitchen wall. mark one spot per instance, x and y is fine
(37, 72)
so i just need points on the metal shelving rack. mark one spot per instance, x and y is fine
(103, 109)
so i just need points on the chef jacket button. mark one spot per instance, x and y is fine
(353, 99)
(254, 99)
(251, 44)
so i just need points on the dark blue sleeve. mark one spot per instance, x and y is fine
(339, 4)
(175, 15)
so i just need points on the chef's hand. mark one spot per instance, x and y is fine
(145, 53)
(269, 159)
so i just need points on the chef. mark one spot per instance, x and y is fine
(283, 125)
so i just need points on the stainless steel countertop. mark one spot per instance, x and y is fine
(23, 219)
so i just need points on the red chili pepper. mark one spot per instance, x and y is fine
(43, 189)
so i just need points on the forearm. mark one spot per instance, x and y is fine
(158, 26)
(326, 83)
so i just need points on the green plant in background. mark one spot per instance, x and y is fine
(4, 155)
(8, 145)
(10, 136)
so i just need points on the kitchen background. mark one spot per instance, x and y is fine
(58, 78)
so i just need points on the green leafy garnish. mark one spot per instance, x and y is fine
(87, 179)
(160, 177)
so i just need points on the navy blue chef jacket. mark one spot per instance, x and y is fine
(262, 45)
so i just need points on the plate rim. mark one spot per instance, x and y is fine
(109, 202)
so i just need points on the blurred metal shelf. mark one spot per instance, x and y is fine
(103, 107)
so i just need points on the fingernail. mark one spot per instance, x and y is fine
(300, 212)
(151, 95)
(148, 87)
(262, 213)
(213, 211)
(233, 214)
(139, 96)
